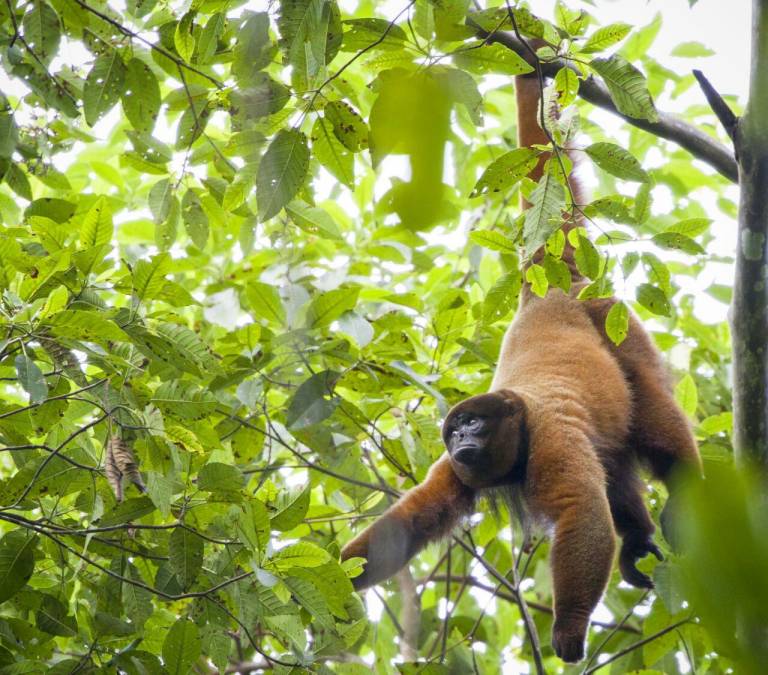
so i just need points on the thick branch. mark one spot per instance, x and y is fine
(695, 141)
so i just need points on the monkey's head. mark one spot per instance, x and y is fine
(487, 438)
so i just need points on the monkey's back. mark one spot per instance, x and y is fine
(553, 356)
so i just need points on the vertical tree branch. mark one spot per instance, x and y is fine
(750, 297)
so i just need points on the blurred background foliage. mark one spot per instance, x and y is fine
(250, 256)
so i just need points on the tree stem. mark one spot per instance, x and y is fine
(750, 297)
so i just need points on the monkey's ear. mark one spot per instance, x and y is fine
(513, 400)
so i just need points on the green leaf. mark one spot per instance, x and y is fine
(347, 124)
(16, 562)
(617, 161)
(587, 258)
(617, 323)
(149, 276)
(31, 378)
(691, 227)
(692, 50)
(195, 219)
(184, 400)
(104, 85)
(505, 171)
(181, 647)
(9, 134)
(96, 229)
(567, 86)
(184, 37)
(128, 511)
(254, 50)
(160, 197)
(291, 508)
(493, 240)
(141, 98)
(208, 42)
(605, 37)
(545, 215)
(536, 276)
(627, 87)
(52, 618)
(483, 58)
(312, 219)
(357, 328)
(329, 306)
(643, 201)
(653, 299)
(558, 272)
(686, 395)
(331, 153)
(219, 477)
(309, 404)
(42, 30)
(301, 554)
(676, 241)
(185, 555)
(265, 301)
(502, 297)
(282, 172)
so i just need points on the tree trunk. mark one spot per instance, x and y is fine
(750, 296)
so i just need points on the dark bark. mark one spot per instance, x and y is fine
(750, 295)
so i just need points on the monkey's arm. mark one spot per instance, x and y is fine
(425, 513)
(570, 492)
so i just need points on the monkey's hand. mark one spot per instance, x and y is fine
(631, 551)
(425, 513)
(386, 545)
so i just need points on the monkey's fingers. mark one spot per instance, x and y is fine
(631, 552)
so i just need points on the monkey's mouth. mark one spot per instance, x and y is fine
(467, 454)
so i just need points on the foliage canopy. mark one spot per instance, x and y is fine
(249, 259)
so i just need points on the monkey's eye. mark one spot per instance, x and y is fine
(473, 422)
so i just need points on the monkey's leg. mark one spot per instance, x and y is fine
(426, 512)
(632, 522)
(574, 497)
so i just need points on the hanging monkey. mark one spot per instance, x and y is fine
(567, 421)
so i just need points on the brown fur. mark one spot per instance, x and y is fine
(569, 418)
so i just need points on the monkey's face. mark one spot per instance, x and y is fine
(484, 436)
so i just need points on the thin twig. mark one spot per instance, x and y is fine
(724, 113)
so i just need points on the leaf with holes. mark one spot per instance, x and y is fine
(545, 215)
(627, 87)
(587, 258)
(617, 161)
(617, 323)
(347, 124)
(483, 58)
(606, 36)
(505, 171)
(96, 229)
(677, 242)
(331, 153)
(653, 299)
(42, 30)
(104, 85)
(141, 98)
(282, 172)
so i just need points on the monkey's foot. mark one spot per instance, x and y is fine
(631, 552)
(568, 642)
